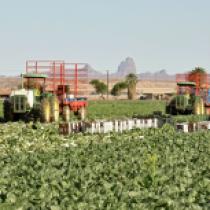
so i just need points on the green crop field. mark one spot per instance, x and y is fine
(123, 108)
(140, 169)
(118, 109)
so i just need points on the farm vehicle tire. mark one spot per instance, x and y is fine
(54, 109)
(199, 107)
(82, 113)
(66, 113)
(45, 110)
(7, 108)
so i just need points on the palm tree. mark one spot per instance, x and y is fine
(131, 80)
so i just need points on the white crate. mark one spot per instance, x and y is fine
(124, 125)
(183, 127)
(155, 123)
(116, 126)
(98, 127)
(130, 124)
(120, 126)
(138, 123)
(107, 127)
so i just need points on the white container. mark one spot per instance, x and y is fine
(120, 126)
(155, 123)
(142, 123)
(130, 124)
(116, 126)
(98, 127)
(138, 123)
(107, 127)
(182, 127)
(124, 125)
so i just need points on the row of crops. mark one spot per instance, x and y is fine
(124, 108)
(142, 169)
(117, 109)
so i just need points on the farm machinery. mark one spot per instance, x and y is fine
(193, 94)
(49, 90)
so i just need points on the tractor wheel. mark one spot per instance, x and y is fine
(8, 115)
(82, 113)
(54, 109)
(207, 111)
(45, 110)
(202, 109)
(66, 113)
(168, 109)
(197, 108)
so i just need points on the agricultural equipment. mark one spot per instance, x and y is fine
(193, 95)
(49, 89)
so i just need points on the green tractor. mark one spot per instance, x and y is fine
(186, 101)
(31, 103)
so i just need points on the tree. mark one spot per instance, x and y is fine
(100, 87)
(118, 87)
(199, 76)
(131, 80)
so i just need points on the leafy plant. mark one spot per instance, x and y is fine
(100, 87)
(118, 87)
(42, 170)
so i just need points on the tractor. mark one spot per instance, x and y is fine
(45, 93)
(185, 101)
(31, 101)
(193, 95)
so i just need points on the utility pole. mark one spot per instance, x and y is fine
(107, 83)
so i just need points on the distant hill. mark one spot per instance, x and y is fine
(128, 66)
(125, 67)
(157, 76)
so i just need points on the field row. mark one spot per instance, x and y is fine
(142, 169)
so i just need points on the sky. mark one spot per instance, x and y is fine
(157, 34)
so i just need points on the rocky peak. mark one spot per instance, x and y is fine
(126, 67)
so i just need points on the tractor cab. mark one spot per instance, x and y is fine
(35, 82)
(183, 102)
(24, 101)
(33, 86)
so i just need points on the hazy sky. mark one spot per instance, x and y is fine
(159, 34)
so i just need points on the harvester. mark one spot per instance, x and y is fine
(46, 93)
(193, 95)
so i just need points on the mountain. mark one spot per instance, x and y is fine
(92, 73)
(126, 67)
(157, 76)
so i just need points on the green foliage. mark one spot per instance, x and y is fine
(142, 169)
(131, 80)
(123, 108)
(199, 76)
(100, 87)
(118, 87)
(199, 70)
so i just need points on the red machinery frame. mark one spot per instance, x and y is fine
(61, 74)
(196, 78)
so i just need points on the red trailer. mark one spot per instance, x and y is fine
(68, 81)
